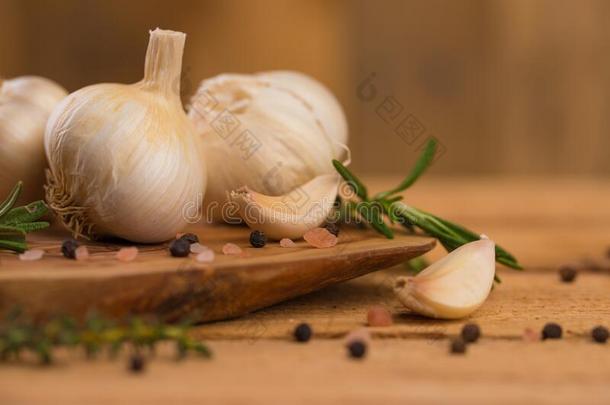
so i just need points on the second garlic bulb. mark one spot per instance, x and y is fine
(272, 132)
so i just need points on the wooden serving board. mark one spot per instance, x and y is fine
(156, 283)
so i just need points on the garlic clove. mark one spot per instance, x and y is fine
(454, 286)
(292, 214)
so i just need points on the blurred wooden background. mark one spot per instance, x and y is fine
(507, 86)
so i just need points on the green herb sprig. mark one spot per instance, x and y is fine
(16, 222)
(374, 210)
(96, 334)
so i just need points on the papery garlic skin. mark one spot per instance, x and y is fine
(25, 105)
(124, 159)
(454, 286)
(271, 132)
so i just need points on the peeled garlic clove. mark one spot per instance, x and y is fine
(125, 160)
(271, 132)
(290, 215)
(25, 105)
(454, 286)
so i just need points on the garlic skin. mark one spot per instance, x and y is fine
(124, 159)
(25, 106)
(290, 215)
(454, 286)
(271, 131)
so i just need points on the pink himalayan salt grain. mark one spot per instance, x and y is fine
(206, 256)
(287, 243)
(320, 238)
(31, 255)
(530, 335)
(127, 254)
(379, 315)
(81, 253)
(361, 334)
(198, 248)
(231, 249)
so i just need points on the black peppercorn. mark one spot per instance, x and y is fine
(471, 332)
(458, 346)
(258, 239)
(136, 363)
(302, 333)
(599, 334)
(567, 273)
(332, 228)
(357, 349)
(337, 202)
(551, 331)
(190, 238)
(68, 248)
(180, 248)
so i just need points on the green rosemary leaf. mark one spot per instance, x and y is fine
(351, 179)
(7, 204)
(372, 214)
(16, 246)
(32, 226)
(424, 161)
(10, 232)
(469, 236)
(28, 213)
(417, 264)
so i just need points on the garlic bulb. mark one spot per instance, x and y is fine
(25, 105)
(290, 215)
(124, 159)
(454, 286)
(272, 132)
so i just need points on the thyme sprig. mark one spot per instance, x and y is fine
(388, 205)
(16, 222)
(18, 335)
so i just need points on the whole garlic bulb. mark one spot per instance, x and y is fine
(124, 159)
(25, 105)
(271, 132)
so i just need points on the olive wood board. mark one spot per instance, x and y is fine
(174, 288)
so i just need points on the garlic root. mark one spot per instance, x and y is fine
(290, 215)
(454, 286)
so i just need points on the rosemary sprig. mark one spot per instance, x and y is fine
(16, 222)
(96, 334)
(388, 204)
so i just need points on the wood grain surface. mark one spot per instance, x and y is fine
(545, 222)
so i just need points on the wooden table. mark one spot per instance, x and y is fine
(545, 222)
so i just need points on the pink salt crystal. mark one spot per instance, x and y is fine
(81, 253)
(206, 256)
(287, 243)
(127, 254)
(231, 249)
(379, 315)
(530, 335)
(31, 255)
(320, 238)
(361, 334)
(198, 248)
